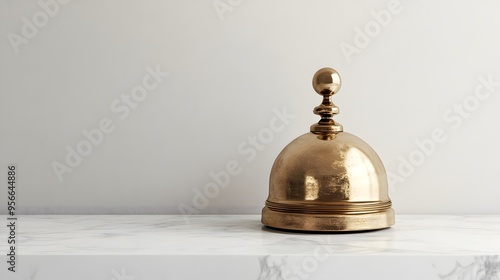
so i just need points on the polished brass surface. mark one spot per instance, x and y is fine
(327, 179)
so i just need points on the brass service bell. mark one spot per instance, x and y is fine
(327, 179)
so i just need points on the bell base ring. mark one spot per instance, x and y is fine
(328, 222)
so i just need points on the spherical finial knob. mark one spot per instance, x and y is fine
(326, 81)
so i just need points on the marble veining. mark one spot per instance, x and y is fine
(483, 267)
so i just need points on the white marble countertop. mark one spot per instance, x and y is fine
(445, 246)
(245, 235)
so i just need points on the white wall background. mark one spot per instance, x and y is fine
(229, 69)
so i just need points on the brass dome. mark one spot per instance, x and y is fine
(327, 179)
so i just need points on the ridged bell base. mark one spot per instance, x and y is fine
(328, 222)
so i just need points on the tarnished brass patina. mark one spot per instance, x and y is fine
(328, 179)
